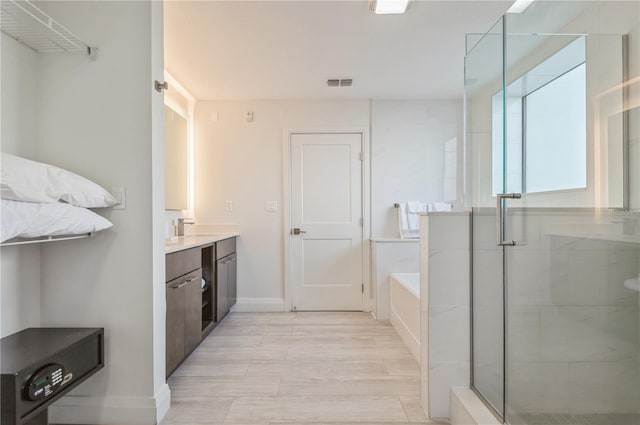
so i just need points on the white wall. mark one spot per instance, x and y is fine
(408, 140)
(96, 120)
(243, 162)
(20, 281)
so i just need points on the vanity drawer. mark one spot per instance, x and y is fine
(182, 262)
(225, 247)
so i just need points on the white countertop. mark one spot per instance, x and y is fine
(191, 241)
(406, 240)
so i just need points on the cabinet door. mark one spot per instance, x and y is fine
(175, 325)
(192, 311)
(232, 281)
(222, 289)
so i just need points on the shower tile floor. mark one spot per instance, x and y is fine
(594, 419)
(298, 368)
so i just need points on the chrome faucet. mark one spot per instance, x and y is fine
(181, 223)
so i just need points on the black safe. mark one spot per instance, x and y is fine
(40, 365)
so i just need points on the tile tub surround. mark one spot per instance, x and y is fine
(298, 368)
(444, 289)
(390, 255)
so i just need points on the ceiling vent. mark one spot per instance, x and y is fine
(335, 82)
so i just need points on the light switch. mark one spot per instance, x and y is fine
(271, 206)
(228, 205)
(120, 193)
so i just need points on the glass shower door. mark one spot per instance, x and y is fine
(484, 124)
(572, 321)
(556, 118)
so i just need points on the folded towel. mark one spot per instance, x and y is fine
(414, 209)
(403, 219)
(409, 216)
(440, 206)
(409, 219)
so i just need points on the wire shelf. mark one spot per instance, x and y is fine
(29, 25)
(28, 241)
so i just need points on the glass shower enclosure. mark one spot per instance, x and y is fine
(552, 126)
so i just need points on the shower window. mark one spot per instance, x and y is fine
(555, 148)
(545, 144)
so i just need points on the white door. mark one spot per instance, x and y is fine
(326, 207)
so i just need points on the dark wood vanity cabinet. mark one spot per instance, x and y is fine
(226, 270)
(201, 288)
(183, 324)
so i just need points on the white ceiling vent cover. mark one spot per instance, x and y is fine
(340, 82)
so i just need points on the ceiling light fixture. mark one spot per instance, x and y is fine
(388, 7)
(519, 6)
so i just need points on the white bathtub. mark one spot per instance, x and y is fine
(404, 309)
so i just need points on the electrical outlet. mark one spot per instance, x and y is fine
(120, 193)
(228, 205)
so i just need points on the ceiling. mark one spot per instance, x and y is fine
(288, 49)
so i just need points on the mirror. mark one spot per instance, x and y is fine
(175, 160)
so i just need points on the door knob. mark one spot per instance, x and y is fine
(297, 231)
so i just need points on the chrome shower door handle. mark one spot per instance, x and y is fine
(501, 209)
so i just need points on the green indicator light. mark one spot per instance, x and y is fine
(41, 381)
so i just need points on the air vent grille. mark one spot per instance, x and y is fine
(339, 82)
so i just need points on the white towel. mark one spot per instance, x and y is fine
(409, 219)
(440, 207)
(403, 220)
(414, 208)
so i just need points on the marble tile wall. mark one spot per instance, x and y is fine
(444, 273)
(573, 328)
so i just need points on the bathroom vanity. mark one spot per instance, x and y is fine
(200, 290)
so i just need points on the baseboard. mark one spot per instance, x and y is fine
(163, 402)
(258, 305)
(111, 410)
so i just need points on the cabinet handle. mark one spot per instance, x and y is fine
(186, 280)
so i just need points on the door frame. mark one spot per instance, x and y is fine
(366, 208)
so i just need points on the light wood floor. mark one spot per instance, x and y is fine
(298, 368)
